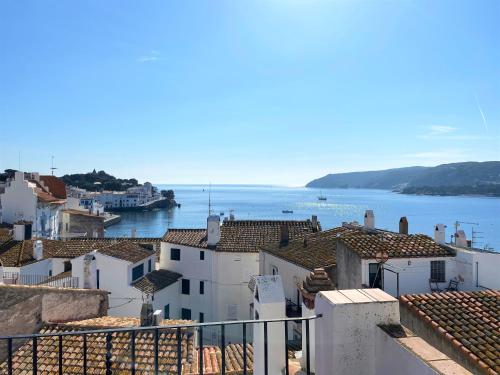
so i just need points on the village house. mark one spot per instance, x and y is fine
(218, 262)
(36, 201)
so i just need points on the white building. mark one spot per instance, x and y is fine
(34, 199)
(132, 197)
(218, 262)
(126, 270)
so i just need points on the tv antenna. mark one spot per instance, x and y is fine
(52, 168)
(457, 225)
(210, 199)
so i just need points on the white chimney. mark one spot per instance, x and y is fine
(460, 238)
(133, 233)
(19, 231)
(369, 219)
(213, 230)
(231, 215)
(19, 176)
(440, 233)
(89, 271)
(38, 250)
(35, 176)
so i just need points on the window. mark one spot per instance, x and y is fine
(166, 312)
(202, 317)
(186, 314)
(50, 272)
(149, 265)
(67, 266)
(97, 278)
(137, 271)
(274, 270)
(175, 254)
(438, 271)
(375, 277)
(202, 255)
(202, 287)
(185, 286)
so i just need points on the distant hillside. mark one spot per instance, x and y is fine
(482, 178)
(104, 181)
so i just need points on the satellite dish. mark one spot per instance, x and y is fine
(382, 256)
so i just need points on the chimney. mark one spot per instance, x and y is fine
(38, 250)
(133, 233)
(403, 225)
(460, 238)
(231, 215)
(157, 318)
(440, 233)
(314, 220)
(369, 219)
(19, 176)
(147, 315)
(89, 271)
(305, 240)
(284, 234)
(213, 230)
(20, 231)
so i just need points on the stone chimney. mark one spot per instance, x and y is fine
(461, 238)
(440, 233)
(284, 234)
(403, 225)
(314, 221)
(38, 250)
(213, 230)
(147, 318)
(369, 219)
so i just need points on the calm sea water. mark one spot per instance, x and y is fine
(267, 202)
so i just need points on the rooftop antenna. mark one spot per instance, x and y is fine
(52, 168)
(457, 225)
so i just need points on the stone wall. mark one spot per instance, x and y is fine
(24, 309)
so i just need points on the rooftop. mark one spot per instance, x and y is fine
(156, 280)
(316, 250)
(127, 250)
(367, 243)
(469, 321)
(241, 235)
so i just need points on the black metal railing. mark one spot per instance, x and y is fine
(293, 310)
(97, 350)
(15, 278)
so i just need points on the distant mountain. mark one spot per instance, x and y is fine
(94, 181)
(482, 178)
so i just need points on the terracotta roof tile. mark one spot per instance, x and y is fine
(187, 237)
(156, 280)
(366, 243)
(55, 186)
(212, 360)
(316, 250)
(470, 321)
(127, 250)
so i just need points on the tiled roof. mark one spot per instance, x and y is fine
(212, 360)
(366, 243)
(316, 250)
(156, 280)
(248, 236)
(470, 321)
(47, 349)
(126, 250)
(241, 235)
(187, 237)
(43, 194)
(18, 253)
(55, 185)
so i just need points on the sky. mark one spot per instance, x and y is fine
(251, 92)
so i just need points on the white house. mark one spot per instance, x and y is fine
(35, 199)
(126, 270)
(218, 262)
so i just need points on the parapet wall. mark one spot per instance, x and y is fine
(24, 309)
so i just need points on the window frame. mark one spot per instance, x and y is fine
(202, 287)
(176, 251)
(438, 268)
(138, 267)
(186, 286)
(186, 314)
(149, 265)
(202, 255)
(166, 311)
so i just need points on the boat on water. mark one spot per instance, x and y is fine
(321, 197)
(287, 211)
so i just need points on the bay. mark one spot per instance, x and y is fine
(268, 202)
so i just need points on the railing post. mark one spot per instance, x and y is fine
(108, 354)
(35, 356)
(179, 352)
(60, 355)
(266, 370)
(200, 348)
(132, 350)
(9, 354)
(157, 338)
(223, 349)
(84, 354)
(244, 349)
(308, 354)
(286, 348)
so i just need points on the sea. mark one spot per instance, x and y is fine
(479, 217)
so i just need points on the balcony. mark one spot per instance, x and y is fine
(168, 349)
(63, 280)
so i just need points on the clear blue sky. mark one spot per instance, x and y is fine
(247, 91)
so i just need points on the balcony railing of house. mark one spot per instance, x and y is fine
(15, 278)
(293, 310)
(146, 349)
